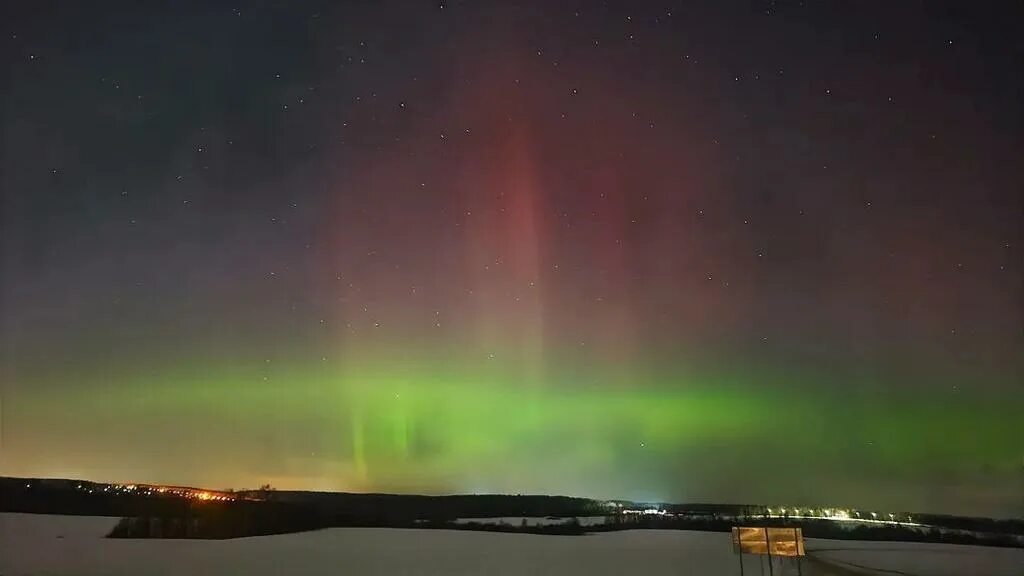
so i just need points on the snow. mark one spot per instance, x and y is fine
(74, 545)
(919, 558)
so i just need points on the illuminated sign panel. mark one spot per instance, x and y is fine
(773, 541)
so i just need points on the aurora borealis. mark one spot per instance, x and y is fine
(755, 252)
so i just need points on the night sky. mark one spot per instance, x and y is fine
(763, 252)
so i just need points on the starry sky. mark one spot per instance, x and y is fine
(680, 251)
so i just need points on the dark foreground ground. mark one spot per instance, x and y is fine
(36, 544)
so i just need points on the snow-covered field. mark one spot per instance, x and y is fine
(73, 545)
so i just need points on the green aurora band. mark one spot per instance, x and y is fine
(415, 426)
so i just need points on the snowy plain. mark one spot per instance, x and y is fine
(75, 546)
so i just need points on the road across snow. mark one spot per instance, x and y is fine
(74, 545)
(534, 520)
